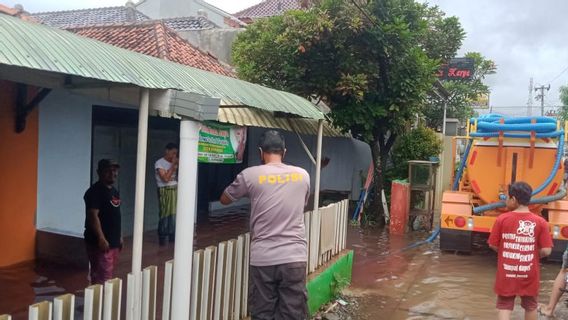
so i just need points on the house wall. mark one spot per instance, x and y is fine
(161, 9)
(64, 164)
(213, 16)
(67, 163)
(217, 42)
(349, 158)
(18, 169)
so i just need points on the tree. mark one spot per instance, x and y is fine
(367, 61)
(563, 114)
(462, 93)
(420, 143)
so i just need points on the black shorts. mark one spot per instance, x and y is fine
(278, 292)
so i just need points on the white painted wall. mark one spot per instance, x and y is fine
(64, 162)
(349, 158)
(161, 9)
(217, 42)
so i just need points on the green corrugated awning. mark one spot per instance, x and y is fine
(259, 118)
(35, 46)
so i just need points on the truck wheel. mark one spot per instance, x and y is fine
(455, 240)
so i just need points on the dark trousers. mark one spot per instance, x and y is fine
(167, 228)
(278, 292)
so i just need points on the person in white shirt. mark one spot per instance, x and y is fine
(166, 179)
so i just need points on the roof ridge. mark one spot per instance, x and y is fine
(184, 17)
(161, 41)
(213, 24)
(77, 10)
(251, 7)
(117, 24)
(266, 8)
(169, 31)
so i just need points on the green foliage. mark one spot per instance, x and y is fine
(418, 144)
(563, 115)
(372, 63)
(446, 34)
(462, 93)
(371, 68)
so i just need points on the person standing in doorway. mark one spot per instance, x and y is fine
(520, 238)
(278, 255)
(166, 178)
(103, 234)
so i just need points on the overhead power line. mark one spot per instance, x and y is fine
(558, 76)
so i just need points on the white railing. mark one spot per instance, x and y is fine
(219, 279)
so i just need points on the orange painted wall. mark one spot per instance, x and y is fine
(18, 171)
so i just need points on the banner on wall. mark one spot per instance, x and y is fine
(221, 143)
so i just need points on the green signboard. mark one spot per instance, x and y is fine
(219, 143)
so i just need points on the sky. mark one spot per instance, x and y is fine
(230, 6)
(525, 38)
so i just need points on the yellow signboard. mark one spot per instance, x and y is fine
(482, 102)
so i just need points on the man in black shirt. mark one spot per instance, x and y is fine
(103, 235)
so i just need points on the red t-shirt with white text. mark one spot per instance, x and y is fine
(519, 237)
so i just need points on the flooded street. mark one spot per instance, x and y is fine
(24, 284)
(424, 283)
(389, 282)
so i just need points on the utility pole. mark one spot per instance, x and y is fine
(541, 97)
(530, 100)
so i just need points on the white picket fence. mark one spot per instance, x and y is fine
(219, 279)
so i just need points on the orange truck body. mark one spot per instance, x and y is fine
(492, 165)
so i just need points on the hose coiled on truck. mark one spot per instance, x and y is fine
(492, 126)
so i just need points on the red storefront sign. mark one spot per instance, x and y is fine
(457, 69)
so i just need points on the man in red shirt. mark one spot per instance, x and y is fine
(520, 238)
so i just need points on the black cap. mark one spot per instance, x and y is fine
(272, 141)
(107, 163)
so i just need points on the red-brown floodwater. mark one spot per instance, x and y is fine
(25, 284)
(424, 283)
(389, 283)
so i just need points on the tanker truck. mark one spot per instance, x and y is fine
(500, 150)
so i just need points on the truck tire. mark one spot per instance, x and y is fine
(455, 240)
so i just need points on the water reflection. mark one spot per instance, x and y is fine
(424, 283)
(25, 284)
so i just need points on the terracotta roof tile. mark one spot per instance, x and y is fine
(154, 38)
(15, 12)
(268, 8)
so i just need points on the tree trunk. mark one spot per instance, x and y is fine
(374, 208)
(379, 151)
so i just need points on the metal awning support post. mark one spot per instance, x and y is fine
(135, 288)
(185, 219)
(439, 188)
(318, 165)
(445, 119)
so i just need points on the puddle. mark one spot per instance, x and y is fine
(424, 283)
